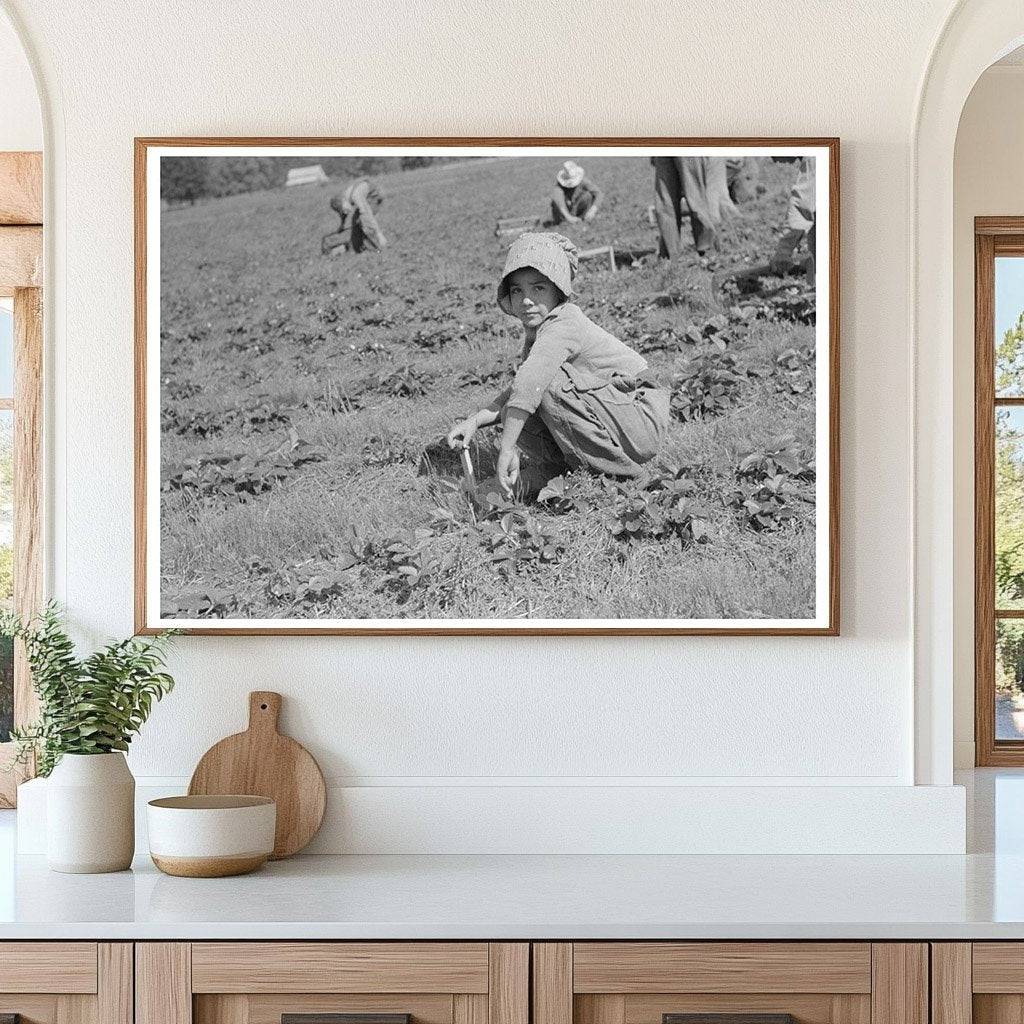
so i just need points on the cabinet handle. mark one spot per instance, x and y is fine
(728, 1018)
(338, 1018)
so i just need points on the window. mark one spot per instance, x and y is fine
(999, 490)
(21, 348)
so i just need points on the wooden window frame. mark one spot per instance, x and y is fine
(21, 270)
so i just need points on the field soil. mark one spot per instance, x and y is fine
(299, 393)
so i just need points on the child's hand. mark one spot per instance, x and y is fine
(508, 469)
(462, 433)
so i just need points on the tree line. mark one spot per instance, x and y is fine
(185, 179)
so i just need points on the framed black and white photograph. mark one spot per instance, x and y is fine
(432, 386)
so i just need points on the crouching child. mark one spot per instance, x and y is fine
(580, 397)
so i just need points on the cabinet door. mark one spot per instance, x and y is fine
(980, 982)
(748, 982)
(314, 982)
(66, 982)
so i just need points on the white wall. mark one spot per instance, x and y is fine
(21, 124)
(988, 181)
(548, 712)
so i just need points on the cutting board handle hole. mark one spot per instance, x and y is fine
(263, 707)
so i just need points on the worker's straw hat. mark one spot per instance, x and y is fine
(554, 255)
(570, 175)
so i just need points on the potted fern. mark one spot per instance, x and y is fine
(89, 709)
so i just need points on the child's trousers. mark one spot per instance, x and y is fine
(612, 427)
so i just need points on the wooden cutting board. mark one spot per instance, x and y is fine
(262, 762)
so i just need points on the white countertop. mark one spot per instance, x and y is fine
(977, 896)
(532, 897)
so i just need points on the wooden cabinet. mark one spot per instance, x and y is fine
(260, 982)
(66, 982)
(648, 982)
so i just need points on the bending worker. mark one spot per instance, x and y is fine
(359, 228)
(576, 198)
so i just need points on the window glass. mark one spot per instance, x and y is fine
(1009, 512)
(1009, 679)
(6, 348)
(1009, 327)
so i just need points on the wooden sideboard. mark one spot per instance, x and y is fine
(511, 982)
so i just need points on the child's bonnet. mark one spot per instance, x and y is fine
(548, 252)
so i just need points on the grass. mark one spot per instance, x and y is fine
(361, 361)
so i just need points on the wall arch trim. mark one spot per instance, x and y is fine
(976, 33)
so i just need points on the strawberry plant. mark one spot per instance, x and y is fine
(767, 504)
(663, 339)
(662, 333)
(253, 414)
(243, 474)
(794, 370)
(720, 330)
(430, 339)
(379, 317)
(555, 496)
(265, 412)
(405, 382)
(514, 539)
(374, 349)
(323, 577)
(406, 562)
(200, 422)
(707, 386)
(477, 378)
(780, 457)
(381, 451)
(433, 339)
(664, 508)
(312, 581)
(793, 303)
(199, 604)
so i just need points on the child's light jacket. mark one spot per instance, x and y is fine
(568, 335)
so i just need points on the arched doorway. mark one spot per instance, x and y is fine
(975, 35)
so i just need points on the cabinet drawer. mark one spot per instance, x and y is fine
(998, 967)
(48, 967)
(66, 982)
(340, 967)
(750, 982)
(260, 982)
(635, 967)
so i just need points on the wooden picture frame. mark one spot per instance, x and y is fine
(824, 620)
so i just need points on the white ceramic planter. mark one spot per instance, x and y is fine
(90, 814)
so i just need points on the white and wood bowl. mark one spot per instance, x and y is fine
(211, 836)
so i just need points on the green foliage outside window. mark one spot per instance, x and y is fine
(1009, 508)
